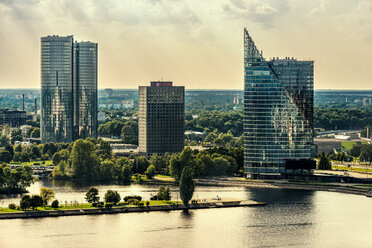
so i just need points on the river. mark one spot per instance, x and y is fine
(291, 218)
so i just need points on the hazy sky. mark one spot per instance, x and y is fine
(196, 43)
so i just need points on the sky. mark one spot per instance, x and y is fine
(195, 43)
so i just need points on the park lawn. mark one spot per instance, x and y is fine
(162, 176)
(47, 163)
(348, 145)
(337, 167)
(81, 206)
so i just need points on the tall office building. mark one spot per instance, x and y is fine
(161, 118)
(68, 89)
(278, 113)
(85, 90)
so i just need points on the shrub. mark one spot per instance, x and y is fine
(36, 163)
(126, 198)
(154, 198)
(133, 201)
(164, 193)
(25, 202)
(100, 205)
(109, 205)
(147, 203)
(55, 204)
(43, 162)
(12, 206)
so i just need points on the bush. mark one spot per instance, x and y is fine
(12, 206)
(55, 204)
(147, 203)
(36, 163)
(126, 198)
(109, 205)
(25, 202)
(133, 201)
(99, 205)
(154, 198)
(43, 162)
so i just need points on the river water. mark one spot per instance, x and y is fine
(291, 218)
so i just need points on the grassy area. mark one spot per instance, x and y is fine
(338, 167)
(47, 163)
(163, 176)
(81, 206)
(348, 145)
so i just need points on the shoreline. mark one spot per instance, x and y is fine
(119, 210)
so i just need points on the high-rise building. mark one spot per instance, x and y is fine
(68, 89)
(161, 118)
(85, 90)
(278, 114)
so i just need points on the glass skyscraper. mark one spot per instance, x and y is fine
(278, 113)
(68, 89)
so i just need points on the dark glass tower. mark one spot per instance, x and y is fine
(68, 89)
(161, 118)
(278, 113)
(56, 88)
(85, 90)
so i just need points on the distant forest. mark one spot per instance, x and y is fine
(334, 109)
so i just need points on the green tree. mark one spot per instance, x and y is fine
(36, 201)
(324, 163)
(106, 170)
(104, 150)
(84, 161)
(92, 196)
(5, 156)
(4, 141)
(46, 194)
(164, 193)
(126, 173)
(140, 165)
(129, 132)
(186, 185)
(158, 162)
(25, 202)
(35, 133)
(150, 172)
(112, 196)
(366, 153)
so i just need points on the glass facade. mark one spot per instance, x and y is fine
(85, 90)
(278, 112)
(68, 89)
(56, 88)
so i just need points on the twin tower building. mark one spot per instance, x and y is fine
(68, 89)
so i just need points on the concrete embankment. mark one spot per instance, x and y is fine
(117, 210)
(282, 184)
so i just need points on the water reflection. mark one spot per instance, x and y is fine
(291, 218)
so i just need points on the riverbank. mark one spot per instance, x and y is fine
(356, 189)
(348, 188)
(118, 210)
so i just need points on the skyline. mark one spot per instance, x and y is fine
(198, 45)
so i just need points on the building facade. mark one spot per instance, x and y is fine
(12, 118)
(161, 118)
(278, 114)
(68, 89)
(85, 90)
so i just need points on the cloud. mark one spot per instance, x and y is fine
(127, 12)
(321, 8)
(264, 11)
